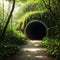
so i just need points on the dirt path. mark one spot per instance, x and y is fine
(32, 51)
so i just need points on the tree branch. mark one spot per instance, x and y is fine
(49, 8)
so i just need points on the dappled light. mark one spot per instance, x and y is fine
(31, 51)
(35, 41)
(43, 57)
(29, 29)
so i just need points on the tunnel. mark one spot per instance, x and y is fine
(36, 30)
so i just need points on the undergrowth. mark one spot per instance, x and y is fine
(11, 44)
(53, 47)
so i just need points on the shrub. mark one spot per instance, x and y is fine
(53, 47)
(15, 37)
(10, 44)
(7, 49)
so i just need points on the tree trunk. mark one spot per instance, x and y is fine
(8, 20)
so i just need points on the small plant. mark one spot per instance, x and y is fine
(7, 49)
(10, 45)
(53, 47)
(15, 37)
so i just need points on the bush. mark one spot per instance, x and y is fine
(53, 47)
(15, 37)
(7, 49)
(54, 32)
(10, 44)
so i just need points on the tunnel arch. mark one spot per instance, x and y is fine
(36, 30)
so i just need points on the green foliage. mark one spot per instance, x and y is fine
(22, 0)
(12, 39)
(1, 20)
(52, 42)
(53, 46)
(15, 37)
(54, 31)
(35, 10)
(10, 45)
(7, 49)
(31, 5)
(36, 15)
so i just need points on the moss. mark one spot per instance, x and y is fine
(43, 16)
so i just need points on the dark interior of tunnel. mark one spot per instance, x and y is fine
(36, 31)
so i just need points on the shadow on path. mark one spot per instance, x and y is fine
(32, 51)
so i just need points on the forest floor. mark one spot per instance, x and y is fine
(32, 51)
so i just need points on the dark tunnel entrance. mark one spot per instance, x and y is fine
(36, 30)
